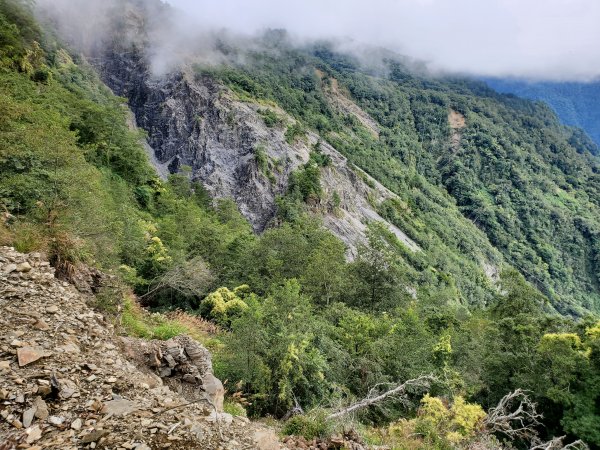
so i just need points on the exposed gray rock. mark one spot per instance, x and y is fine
(193, 120)
(76, 424)
(28, 417)
(33, 434)
(23, 267)
(8, 268)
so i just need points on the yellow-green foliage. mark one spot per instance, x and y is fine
(234, 408)
(438, 425)
(156, 250)
(443, 349)
(564, 340)
(466, 417)
(593, 332)
(224, 305)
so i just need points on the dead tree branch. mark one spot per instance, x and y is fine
(558, 444)
(515, 416)
(191, 278)
(421, 383)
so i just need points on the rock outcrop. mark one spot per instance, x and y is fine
(192, 120)
(183, 364)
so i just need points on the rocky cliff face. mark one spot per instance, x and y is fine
(194, 121)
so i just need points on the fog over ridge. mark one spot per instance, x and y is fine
(535, 39)
(547, 39)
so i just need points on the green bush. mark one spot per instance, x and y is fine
(310, 426)
(223, 306)
(294, 132)
(270, 117)
(234, 408)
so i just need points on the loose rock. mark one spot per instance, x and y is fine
(94, 436)
(28, 417)
(33, 434)
(27, 355)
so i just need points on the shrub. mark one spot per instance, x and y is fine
(294, 132)
(24, 237)
(234, 408)
(270, 117)
(223, 305)
(262, 159)
(448, 425)
(310, 426)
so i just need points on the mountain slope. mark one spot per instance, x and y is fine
(575, 103)
(197, 117)
(294, 322)
(530, 184)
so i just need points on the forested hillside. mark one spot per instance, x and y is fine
(529, 183)
(576, 103)
(502, 201)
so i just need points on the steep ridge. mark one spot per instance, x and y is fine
(192, 120)
(246, 124)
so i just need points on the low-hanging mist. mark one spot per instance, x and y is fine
(549, 40)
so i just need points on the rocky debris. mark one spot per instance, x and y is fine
(66, 380)
(348, 441)
(358, 193)
(28, 355)
(23, 267)
(266, 440)
(119, 407)
(93, 436)
(183, 364)
(88, 280)
(342, 102)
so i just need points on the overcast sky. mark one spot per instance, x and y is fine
(547, 39)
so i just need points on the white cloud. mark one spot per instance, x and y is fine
(540, 39)
(550, 39)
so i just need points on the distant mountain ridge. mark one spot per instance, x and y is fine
(576, 103)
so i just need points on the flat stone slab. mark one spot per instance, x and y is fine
(120, 407)
(27, 355)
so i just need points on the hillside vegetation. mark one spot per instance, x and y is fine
(517, 196)
(576, 103)
(529, 183)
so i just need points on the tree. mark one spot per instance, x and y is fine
(325, 273)
(273, 352)
(375, 271)
(190, 279)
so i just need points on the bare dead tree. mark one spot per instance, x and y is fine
(398, 392)
(190, 278)
(558, 444)
(515, 416)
